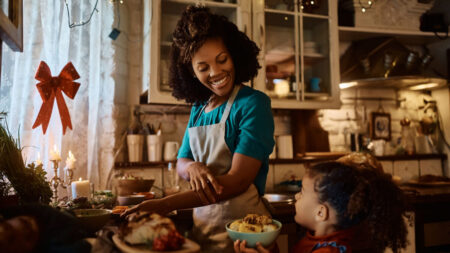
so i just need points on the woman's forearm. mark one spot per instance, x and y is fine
(182, 200)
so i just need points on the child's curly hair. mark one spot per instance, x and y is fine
(197, 24)
(363, 195)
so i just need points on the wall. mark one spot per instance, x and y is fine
(354, 115)
(126, 79)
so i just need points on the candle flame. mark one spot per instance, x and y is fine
(54, 148)
(39, 156)
(79, 179)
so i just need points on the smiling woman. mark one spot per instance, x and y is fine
(224, 154)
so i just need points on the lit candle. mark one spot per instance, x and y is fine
(54, 154)
(80, 188)
(38, 161)
(70, 161)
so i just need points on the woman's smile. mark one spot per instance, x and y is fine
(220, 82)
(214, 68)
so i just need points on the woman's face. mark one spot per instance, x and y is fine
(214, 68)
(307, 201)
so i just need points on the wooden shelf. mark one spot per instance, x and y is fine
(324, 157)
(349, 34)
(134, 165)
(318, 16)
(304, 159)
(311, 59)
(412, 157)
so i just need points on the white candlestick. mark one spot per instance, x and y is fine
(54, 154)
(80, 188)
(70, 161)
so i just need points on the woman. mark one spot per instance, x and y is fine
(225, 149)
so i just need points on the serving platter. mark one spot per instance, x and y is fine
(188, 247)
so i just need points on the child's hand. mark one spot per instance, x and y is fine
(240, 247)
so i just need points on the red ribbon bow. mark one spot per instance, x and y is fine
(50, 87)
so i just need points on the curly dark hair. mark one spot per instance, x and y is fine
(363, 195)
(196, 25)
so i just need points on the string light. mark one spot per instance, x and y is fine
(81, 23)
(363, 7)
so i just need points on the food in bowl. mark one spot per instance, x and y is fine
(119, 209)
(92, 219)
(254, 228)
(253, 223)
(143, 228)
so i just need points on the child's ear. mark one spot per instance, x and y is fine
(322, 213)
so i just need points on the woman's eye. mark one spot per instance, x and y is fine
(222, 60)
(203, 69)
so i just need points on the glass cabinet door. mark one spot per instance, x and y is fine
(166, 14)
(296, 52)
(315, 40)
(275, 33)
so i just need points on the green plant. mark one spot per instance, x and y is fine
(29, 182)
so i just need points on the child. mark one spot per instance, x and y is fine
(337, 200)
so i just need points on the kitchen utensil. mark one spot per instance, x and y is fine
(92, 219)
(171, 150)
(265, 238)
(135, 147)
(129, 200)
(131, 186)
(284, 146)
(314, 84)
(154, 147)
(422, 144)
(188, 247)
(279, 198)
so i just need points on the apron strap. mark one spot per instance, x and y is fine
(200, 114)
(230, 102)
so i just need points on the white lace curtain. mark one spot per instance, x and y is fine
(47, 37)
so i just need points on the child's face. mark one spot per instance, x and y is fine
(307, 201)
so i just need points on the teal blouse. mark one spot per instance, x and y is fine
(249, 129)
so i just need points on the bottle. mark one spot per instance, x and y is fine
(172, 181)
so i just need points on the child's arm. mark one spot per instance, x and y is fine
(240, 247)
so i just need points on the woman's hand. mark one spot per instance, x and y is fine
(240, 247)
(203, 182)
(152, 205)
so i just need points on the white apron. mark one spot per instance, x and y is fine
(209, 147)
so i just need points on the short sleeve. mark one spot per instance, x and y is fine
(256, 127)
(185, 148)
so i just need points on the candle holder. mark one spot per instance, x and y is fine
(56, 181)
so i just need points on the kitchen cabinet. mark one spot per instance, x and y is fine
(299, 53)
(163, 18)
(299, 57)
